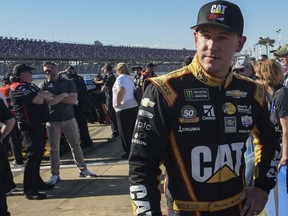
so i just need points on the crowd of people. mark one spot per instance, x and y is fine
(14, 47)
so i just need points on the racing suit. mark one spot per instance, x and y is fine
(196, 125)
(31, 119)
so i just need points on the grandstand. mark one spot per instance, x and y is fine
(87, 58)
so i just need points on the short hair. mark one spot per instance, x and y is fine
(263, 57)
(271, 71)
(71, 68)
(48, 63)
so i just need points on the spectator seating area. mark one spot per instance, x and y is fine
(41, 50)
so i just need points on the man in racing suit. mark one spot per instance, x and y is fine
(195, 121)
(32, 112)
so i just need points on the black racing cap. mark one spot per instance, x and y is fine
(221, 13)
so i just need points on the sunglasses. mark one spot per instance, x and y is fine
(240, 70)
(259, 78)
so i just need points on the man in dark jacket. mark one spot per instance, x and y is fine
(7, 123)
(82, 108)
(32, 113)
(108, 82)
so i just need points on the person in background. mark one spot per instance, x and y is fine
(137, 81)
(270, 74)
(98, 79)
(98, 100)
(148, 72)
(62, 119)
(137, 75)
(195, 121)
(282, 54)
(253, 61)
(81, 109)
(108, 83)
(187, 61)
(263, 57)
(125, 105)
(31, 113)
(8, 122)
(244, 68)
(15, 139)
(10, 185)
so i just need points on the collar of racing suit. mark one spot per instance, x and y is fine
(198, 71)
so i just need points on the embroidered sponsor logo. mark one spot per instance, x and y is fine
(223, 164)
(236, 94)
(202, 77)
(277, 129)
(188, 129)
(137, 141)
(244, 109)
(217, 12)
(245, 131)
(146, 102)
(188, 115)
(143, 125)
(50, 85)
(229, 108)
(209, 112)
(137, 193)
(230, 124)
(163, 86)
(197, 94)
(145, 113)
(246, 121)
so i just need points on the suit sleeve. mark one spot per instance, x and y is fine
(148, 150)
(267, 151)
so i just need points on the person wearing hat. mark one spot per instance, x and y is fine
(147, 73)
(32, 112)
(137, 81)
(137, 75)
(282, 54)
(244, 68)
(195, 121)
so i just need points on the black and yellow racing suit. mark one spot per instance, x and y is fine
(197, 126)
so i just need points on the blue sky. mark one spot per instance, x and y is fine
(150, 23)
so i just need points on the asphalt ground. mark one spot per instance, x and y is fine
(105, 195)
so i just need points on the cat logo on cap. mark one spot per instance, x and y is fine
(217, 12)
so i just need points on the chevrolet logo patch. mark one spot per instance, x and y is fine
(236, 93)
(146, 102)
